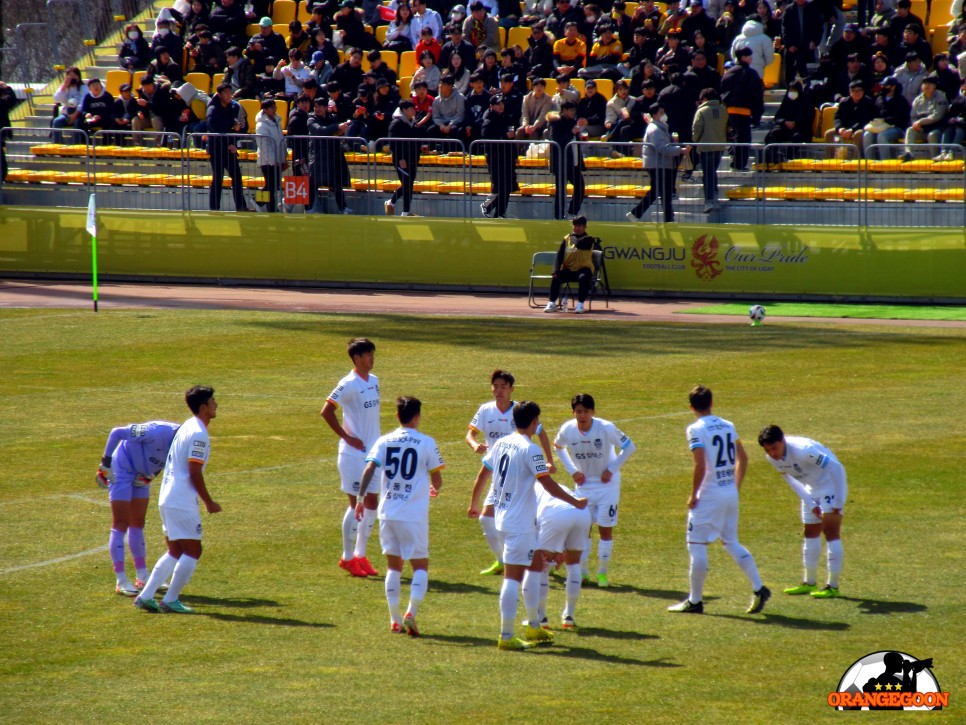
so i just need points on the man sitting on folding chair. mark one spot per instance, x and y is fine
(575, 263)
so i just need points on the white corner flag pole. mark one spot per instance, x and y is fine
(92, 230)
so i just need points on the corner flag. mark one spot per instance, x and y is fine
(92, 230)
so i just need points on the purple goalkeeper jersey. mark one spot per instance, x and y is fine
(142, 447)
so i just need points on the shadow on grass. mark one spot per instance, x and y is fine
(671, 595)
(460, 640)
(878, 606)
(781, 620)
(239, 603)
(585, 653)
(260, 619)
(444, 587)
(613, 633)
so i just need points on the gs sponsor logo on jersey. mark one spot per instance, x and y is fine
(370, 404)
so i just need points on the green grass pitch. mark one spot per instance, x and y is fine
(283, 635)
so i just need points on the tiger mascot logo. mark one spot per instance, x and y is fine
(704, 254)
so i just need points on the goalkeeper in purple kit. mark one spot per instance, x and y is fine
(134, 455)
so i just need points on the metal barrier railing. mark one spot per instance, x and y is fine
(143, 169)
(36, 164)
(333, 165)
(440, 176)
(499, 169)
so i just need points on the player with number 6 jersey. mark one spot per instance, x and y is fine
(818, 479)
(586, 447)
(410, 464)
(720, 463)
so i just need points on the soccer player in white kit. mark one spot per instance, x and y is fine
(585, 446)
(410, 463)
(182, 484)
(358, 396)
(492, 421)
(515, 463)
(818, 478)
(720, 463)
(562, 530)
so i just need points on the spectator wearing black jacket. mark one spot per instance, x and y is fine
(165, 37)
(855, 70)
(701, 75)
(405, 156)
(97, 108)
(562, 14)
(500, 159)
(894, 110)
(327, 161)
(459, 45)
(223, 150)
(851, 117)
(348, 24)
(539, 52)
(673, 52)
(955, 132)
(743, 94)
(903, 17)
(851, 42)
(135, 53)
(802, 28)
(240, 74)
(794, 121)
(477, 104)
(349, 75)
(156, 110)
(164, 65)
(266, 43)
(949, 80)
(125, 110)
(697, 20)
(644, 46)
(339, 106)
(298, 126)
(229, 20)
(206, 55)
(913, 42)
(8, 99)
(566, 164)
(592, 108)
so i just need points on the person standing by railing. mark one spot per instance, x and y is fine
(405, 156)
(222, 151)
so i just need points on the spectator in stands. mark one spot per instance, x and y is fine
(882, 44)
(890, 122)
(569, 53)
(97, 108)
(266, 86)
(882, 19)
(230, 20)
(802, 27)
(536, 105)
(954, 133)
(298, 38)
(205, 55)
(851, 43)
(679, 105)
(125, 110)
(321, 19)
(927, 117)
(320, 70)
(294, 74)
(673, 19)
(604, 57)
(880, 71)
(794, 121)
(349, 74)
(512, 100)
(340, 107)
(371, 14)
(350, 31)
(165, 66)
(459, 73)
(424, 16)
(852, 115)
(265, 43)
(623, 23)
(191, 107)
(644, 47)
(743, 94)
(500, 158)
(661, 152)
(321, 43)
(762, 47)
(648, 10)
(672, 53)
(565, 92)
(771, 25)
(135, 53)
(240, 74)
(457, 45)
(696, 21)
(700, 75)
(618, 114)
(710, 127)
(405, 157)
(271, 151)
(198, 14)
(165, 38)
(223, 148)
(71, 88)
(424, 107)
(903, 18)
(949, 80)
(509, 13)
(957, 50)
(563, 14)
(480, 29)
(428, 42)
(910, 76)
(728, 27)
(449, 107)
(457, 15)
(705, 45)
(477, 104)
(327, 164)
(646, 71)
(855, 70)
(378, 68)
(490, 70)
(509, 65)
(399, 36)
(592, 108)
(155, 106)
(428, 73)
(298, 128)
(913, 42)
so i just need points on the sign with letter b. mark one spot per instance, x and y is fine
(296, 189)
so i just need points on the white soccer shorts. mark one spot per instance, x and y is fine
(179, 524)
(826, 500)
(602, 500)
(715, 516)
(518, 549)
(564, 530)
(350, 471)
(404, 538)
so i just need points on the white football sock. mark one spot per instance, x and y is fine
(585, 557)
(509, 601)
(364, 532)
(833, 558)
(811, 553)
(417, 589)
(182, 575)
(604, 549)
(746, 561)
(573, 589)
(544, 591)
(392, 594)
(159, 575)
(493, 538)
(698, 571)
(349, 527)
(531, 596)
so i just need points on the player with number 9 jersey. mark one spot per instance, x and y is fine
(515, 462)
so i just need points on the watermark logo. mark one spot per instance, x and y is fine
(889, 680)
(704, 253)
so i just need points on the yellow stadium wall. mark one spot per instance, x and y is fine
(923, 264)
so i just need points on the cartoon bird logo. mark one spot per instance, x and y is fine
(705, 257)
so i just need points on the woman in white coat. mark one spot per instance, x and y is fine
(762, 47)
(271, 150)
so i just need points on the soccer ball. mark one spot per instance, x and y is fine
(756, 313)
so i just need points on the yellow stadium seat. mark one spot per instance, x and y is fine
(773, 72)
(828, 164)
(281, 29)
(502, 37)
(596, 189)
(826, 122)
(252, 107)
(777, 193)
(481, 187)
(888, 194)
(835, 193)
(527, 163)
(551, 85)
(605, 86)
(948, 167)
(284, 11)
(518, 36)
(304, 13)
(114, 80)
(250, 30)
(404, 86)
(17, 176)
(741, 193)
(136, 79)
(920, 194)
(579, 85)
(918, 166)
(216, 80)
(943, 194)
(282, 110)
(542, 189)
(886, 166)
(625, 163)
(937, 39)
(451, 187)
(47, 149)
(251, 182)
(625, 190)
(201, 81)
(853, 165)
(595, 162)
(381, 32)
(423, 186)
(407, 63)
(800, 193)
(920, 8)
(126, 179)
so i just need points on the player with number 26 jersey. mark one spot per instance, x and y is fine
(718, 438)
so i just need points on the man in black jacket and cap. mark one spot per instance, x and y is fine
(327, 164)
(743, 94)
(500, 158)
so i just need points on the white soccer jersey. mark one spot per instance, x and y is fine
(545, 501)
(191, 444)
(805, 460)
(492, 423)
(359, 400)
(515, 463)
(405, 458)
(592, 451)
(719, 440)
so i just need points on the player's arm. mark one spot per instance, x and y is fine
(837, 472)
(742, 465)
(329, 416)
(627, 450)
(436, 480)
(367, 473)
(700, 467)
(481, 478)
(547, 449)
(799, 488)
(555, 490)
(105, 475)
(197, 476)
(473, 443)
(568, 463)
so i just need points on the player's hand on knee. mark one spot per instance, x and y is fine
(104, 476)
(142, 481)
